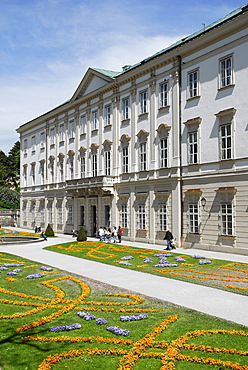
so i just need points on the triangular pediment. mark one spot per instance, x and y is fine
(93, 79)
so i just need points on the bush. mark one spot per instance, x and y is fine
(81, 235)
(49, 231)
(9, 198)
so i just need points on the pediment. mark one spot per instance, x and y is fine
(93, 80)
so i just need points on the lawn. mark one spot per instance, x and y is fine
(230, 276)
(7, 232)
(52, 320)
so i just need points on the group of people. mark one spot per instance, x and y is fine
(37, 230)
(106, 234)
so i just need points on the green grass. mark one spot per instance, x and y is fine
(218, 274)
(16, 353)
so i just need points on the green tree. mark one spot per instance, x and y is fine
(49, 231)
(9, 198)
(82, 237)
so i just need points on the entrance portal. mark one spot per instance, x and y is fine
(93, 221)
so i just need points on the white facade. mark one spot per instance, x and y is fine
(144, 147)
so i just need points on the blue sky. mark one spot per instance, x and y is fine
(48, 45)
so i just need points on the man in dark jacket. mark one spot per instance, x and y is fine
(168, 237)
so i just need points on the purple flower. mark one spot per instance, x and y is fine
(3, 268)
(17, 270)
(203, 262)
(117, 331)
(34, 276)
(179, 259)
(65, 327)
(147, 260)
(13, 264)
(196, 256)
(126, 258)
(125, 263)
(101, 321)
(134, 317)
(46, 268)
(86, 315)
(12, 273)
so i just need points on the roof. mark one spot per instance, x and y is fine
(111, 74)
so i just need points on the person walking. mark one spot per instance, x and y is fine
(168, 237)
(114, 234)
(119, 233)
(101, 233)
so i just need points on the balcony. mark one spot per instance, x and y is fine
(99, 185)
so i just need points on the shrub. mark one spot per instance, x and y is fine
(81, 235)
(49, 231)
(9, 198)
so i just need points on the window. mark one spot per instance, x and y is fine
(142, 149)
(59, 213)
(94, 123)
(33, 213)
(226, 141)
(226, 219)
(192, 147)
(71, 168)
(61, 133)
(125, 108)
(25, 146)
(83, 124)
(50, 211)
(107, 115)
(125, 159)
(42, 211)
(193, 214)
(52, 136)
(162, 217)
(107, 162)
(33, 141)
(24, 209)
(226, 74)
(141, 217)
(71, 129)
(143, 102)
(61, 169)
(70, 215)
(42, 140)
(42, 172)
(94, 164)
(163, 95)
(82, 165)
(123, 215)
(52, 170)
(193, 84)
(25, 176)
(163, 153)
(33, 173)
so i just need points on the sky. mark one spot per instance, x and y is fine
(46, 46)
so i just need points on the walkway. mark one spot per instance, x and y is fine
(219, 303)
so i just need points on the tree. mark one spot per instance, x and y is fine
(10, 167)
(81, 235)
(9, 198)
(49, 231)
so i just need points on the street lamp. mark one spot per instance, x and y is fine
(203, 203)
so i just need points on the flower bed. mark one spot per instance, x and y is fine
(170, 335)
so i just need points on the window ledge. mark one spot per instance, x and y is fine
(166, 107)
(193, 98)
(228, 236)
(95, 131)
(226, 87)
(125, 121)
(143, 115)
(108, 126)
(83, 135)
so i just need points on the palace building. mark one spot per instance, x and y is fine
(162, 144)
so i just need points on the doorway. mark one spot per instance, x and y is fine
(93, 221)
